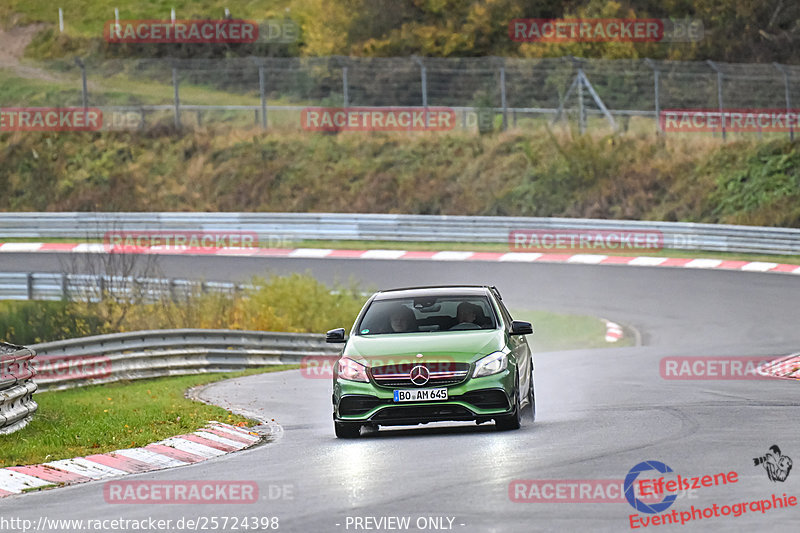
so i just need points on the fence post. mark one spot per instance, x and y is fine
(719, 96)
(29, 285)
(64, 287)
(345, 92)
(262, 89)
(656, 95)
(177, 97)
(60, 20)
(424, 79)
(787, 96)
(84, 89)
(581, 109)
(503, 103)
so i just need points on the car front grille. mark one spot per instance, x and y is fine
(440, 374)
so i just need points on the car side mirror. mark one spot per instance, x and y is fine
(518, 327)
(335, 335)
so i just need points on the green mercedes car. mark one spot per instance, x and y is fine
(432, 354)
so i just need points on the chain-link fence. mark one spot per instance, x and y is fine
(512, 93)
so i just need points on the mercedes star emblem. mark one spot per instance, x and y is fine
(419, 375)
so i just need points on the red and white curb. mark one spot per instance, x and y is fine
(614, 331)
(326, 253)
(211, 441)
(786, 367)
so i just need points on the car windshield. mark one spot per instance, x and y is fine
(426, 314)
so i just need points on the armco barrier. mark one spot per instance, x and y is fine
(366, 227)
(146, 354)
(87, 287)
(16, 387)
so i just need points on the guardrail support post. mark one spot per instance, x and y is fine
(29, 284)
(64, 287)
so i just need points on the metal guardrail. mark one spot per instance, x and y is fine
(87, 287)
(147, 354)
(16, 387)
(280, 229)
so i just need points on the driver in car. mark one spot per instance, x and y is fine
(403, 320)
(467, 313)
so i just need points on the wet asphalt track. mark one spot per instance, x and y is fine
(599, 412)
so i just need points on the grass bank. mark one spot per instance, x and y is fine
(526, 174)
(103, 418)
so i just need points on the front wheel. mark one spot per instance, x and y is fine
(347, 430)
(532, 400)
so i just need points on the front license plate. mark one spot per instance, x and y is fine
(420, 395)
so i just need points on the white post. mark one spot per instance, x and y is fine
(116, 15)
(173, 15)
(60, 20)
(227, 12)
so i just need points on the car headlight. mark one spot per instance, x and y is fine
(352, 371)
(491, 364)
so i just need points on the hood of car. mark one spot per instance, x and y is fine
(456, 346)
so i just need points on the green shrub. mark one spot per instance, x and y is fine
(294, 303)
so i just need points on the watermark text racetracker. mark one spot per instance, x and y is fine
(587, 240)
(192, 492)
(587, 491)
(70, 367)
(593, 30)
(50, 119)
(57, 367)
(201, 31)
(67, 119)
(723, 367)
(143, 240)
(321, 366)
(751, 120)
(378, 119)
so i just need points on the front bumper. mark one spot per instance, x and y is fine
(476, 399)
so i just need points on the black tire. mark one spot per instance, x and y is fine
(512, 421)
(347, 430)
(531, 409)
